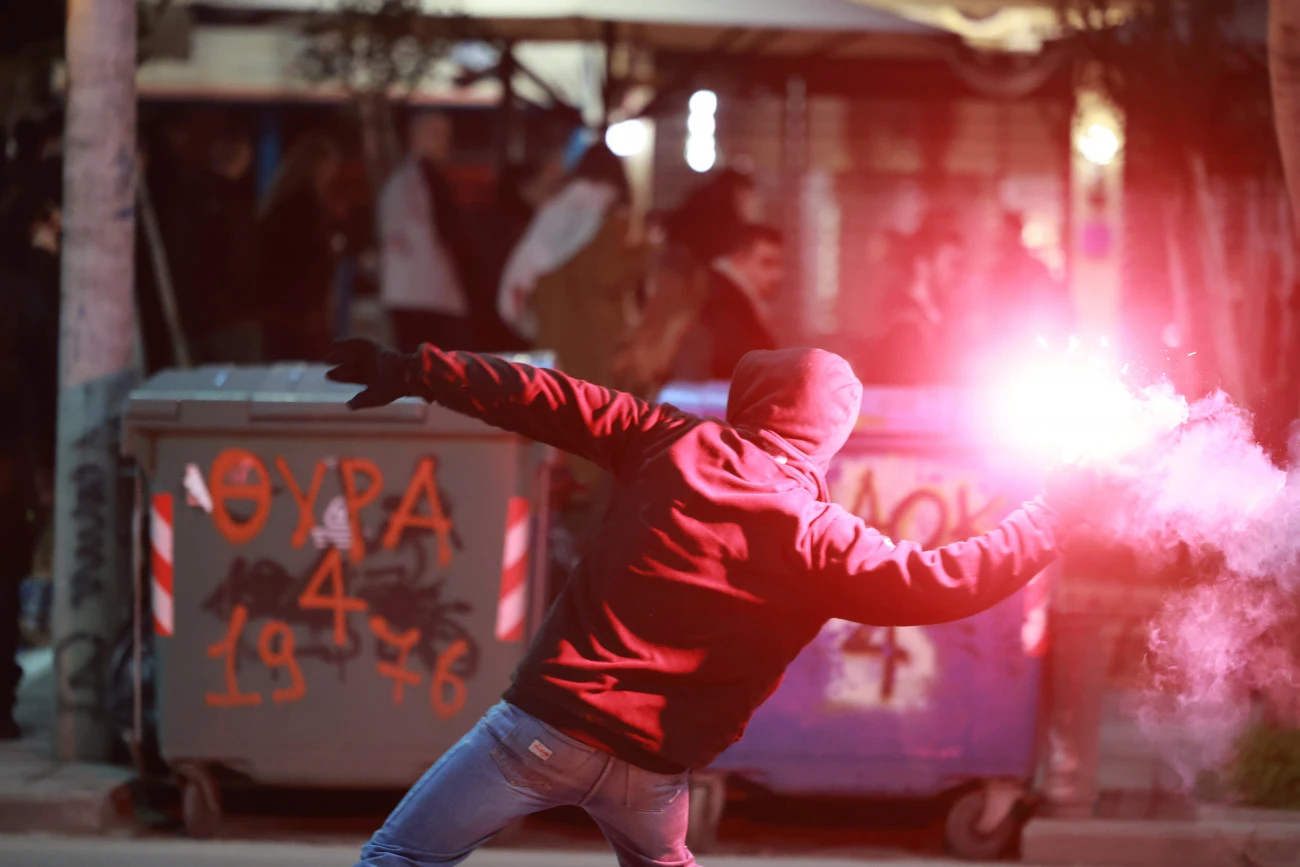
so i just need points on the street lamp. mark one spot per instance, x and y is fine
(701, 124)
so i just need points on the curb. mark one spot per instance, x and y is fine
(1157, 843)
(38, 795)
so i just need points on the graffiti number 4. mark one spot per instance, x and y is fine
(891, 654)
(331, 570)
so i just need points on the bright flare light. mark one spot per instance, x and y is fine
(1078, 409)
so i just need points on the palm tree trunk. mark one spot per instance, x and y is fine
(1284, 70)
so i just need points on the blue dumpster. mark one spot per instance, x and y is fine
(948, 710)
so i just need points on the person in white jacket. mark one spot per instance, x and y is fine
(561, 228)
(421, 286)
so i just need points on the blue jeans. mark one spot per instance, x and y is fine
(512, 765)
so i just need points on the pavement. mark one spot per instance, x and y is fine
(1233, 841)
(57, 852)
(55, 805)
(38, 793)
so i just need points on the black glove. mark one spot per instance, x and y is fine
(386, 375)
(1079, 493)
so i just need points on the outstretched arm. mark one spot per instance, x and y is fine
(545, 405)
(578, 417)
(866, 578)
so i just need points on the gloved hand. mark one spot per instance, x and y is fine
(1078, 493)
(386, 375)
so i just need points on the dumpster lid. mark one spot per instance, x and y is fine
(280, 391)
(293, 392)
(886, 410)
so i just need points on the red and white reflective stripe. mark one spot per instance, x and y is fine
(512, 603)
(160, 534)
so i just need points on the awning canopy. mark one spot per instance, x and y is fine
(770, 27)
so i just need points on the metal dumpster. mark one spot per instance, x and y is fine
(906, 711)
(336, 597)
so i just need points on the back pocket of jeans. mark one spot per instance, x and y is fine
(648, 792)
(516, 770)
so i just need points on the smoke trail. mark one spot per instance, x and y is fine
(1228, 634)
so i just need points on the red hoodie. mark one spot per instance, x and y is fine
(721, 555)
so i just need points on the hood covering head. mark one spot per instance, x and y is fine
(808, 397)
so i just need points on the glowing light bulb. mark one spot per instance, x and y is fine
(1099, 145)
(701, 154)
(627, 138)
(703, 102)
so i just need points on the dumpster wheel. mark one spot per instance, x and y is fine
(200, 801)
(966, 835)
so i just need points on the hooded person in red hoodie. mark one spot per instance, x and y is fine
(720, 557)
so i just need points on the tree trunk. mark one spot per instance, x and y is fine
(96, 348)
(379, 142)
(1284, 70)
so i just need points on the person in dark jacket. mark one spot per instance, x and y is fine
(295, 256)
(734, 318)
(721, 556)
(29, 336)
(695, 235)
(218, 307)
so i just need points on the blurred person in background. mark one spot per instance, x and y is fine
(34, 150)
(571, 282)
(29, 338)
(427, 261)
(167, 168)
(735, 317)
(571, 286)
(918, 325)
(16, 496)
(1025, 301)
(31, 233)
(221, 317)
(706, 223)
(523, 190)
(699, 231)
(295, 253)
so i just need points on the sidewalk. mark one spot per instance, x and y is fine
(37, 852)
(1144, 820)
(1242, 838)
(39, 794)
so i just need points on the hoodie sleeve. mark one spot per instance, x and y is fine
(866, 578)
(578, 417)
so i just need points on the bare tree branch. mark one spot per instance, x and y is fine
(379, 51)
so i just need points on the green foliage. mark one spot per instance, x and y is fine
(377, 46)
(1266, 770)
